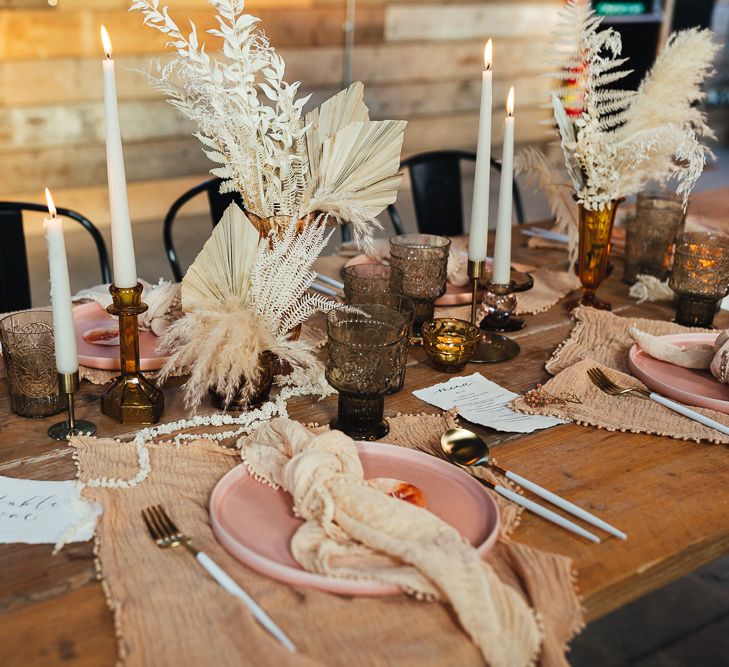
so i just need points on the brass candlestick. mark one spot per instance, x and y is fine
(500, 303)
(491, 347)
(68, 384)
(130, 398)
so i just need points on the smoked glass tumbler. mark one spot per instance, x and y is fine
(700, 277)
(419, 265)
(30, 364)
(364, 363)
(403, 305)
(365, 279)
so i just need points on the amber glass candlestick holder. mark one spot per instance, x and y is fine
(68, 385)
(130, 398)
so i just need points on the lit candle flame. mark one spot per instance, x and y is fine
(510, 102)
(488, 55)
(106, 42)
(51, 206)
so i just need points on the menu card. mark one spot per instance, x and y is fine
(36, 512)
(481, 401)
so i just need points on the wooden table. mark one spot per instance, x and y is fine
(670, 496)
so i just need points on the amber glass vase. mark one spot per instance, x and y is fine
(595, 228)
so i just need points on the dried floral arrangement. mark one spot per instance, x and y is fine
(241, 297)
(288, 168)
(615, 141)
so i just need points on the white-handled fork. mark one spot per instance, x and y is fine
(166, 535)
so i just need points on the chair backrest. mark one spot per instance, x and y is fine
(218, 203)
(435, 180)
(14, 277)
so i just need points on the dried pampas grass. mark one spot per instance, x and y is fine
(220, 345)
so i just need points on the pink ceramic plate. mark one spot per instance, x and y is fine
(693, 387)
(92, 322)
(454, 296)
(255, 523)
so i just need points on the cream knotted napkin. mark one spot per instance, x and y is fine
(353, 529)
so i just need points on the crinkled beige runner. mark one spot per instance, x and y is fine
(169, 612)
(601, 339)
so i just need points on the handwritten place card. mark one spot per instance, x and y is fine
(35, 512)
(483, 402)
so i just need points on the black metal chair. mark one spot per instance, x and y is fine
(435, 179)
(218, 203)
(14, 277)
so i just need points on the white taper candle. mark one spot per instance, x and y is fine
(125, 269)
(502, 249)
(64, 333)
(478, 232)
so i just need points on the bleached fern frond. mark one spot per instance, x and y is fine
(221, 271)
(282, 275)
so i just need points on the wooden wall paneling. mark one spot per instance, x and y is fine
(86, 165)
(468, 21)
(30, 128)
(67, 80)
(28, 34)
(38, 127)
(459, 130)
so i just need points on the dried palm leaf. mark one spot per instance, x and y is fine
(346, 107)
(221, 272)
(359, 164)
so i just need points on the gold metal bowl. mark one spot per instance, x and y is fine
(450, 343)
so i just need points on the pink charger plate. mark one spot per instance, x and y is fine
(690, 386)
(454, 295)
(90, 316)
(255, 523)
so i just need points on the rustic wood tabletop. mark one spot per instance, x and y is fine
(670, 496)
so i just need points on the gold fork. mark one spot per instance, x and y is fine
(604, 383)
(168, 536)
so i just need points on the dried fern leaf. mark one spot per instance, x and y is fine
(221, 272)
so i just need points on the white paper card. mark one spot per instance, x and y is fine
(37, 512)
(483, 402)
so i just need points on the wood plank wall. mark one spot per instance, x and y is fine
(420, 60)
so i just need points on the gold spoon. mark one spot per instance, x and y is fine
(467, 449)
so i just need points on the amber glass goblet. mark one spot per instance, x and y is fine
(595, 230)
(418, 270)
(700, 277)
(363, 364)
